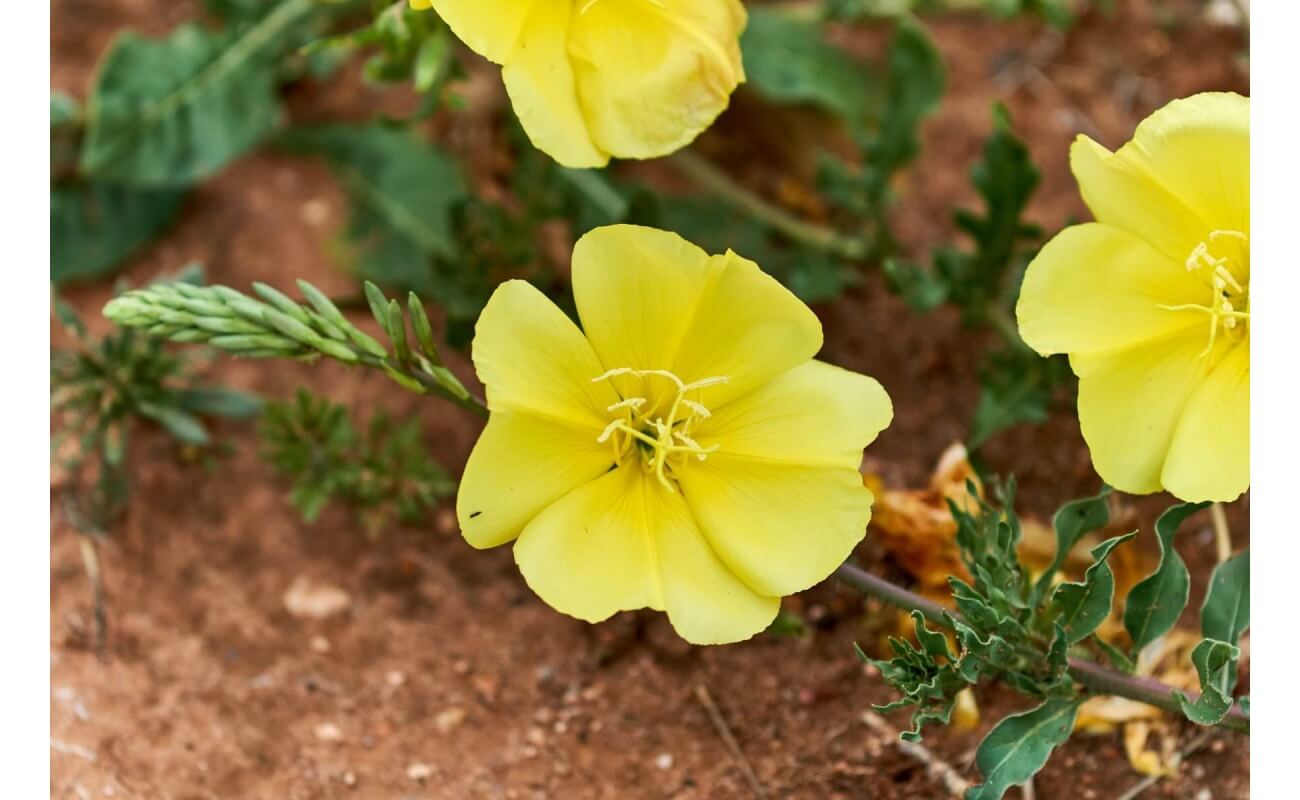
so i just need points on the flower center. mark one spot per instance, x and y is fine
(1228, 308)
(661, 437)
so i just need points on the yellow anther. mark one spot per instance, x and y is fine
(1227, 292)
(664, 439)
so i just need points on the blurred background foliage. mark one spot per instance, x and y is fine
(165, 114)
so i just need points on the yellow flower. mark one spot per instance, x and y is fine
(595, 78)
(1152, 301)
(682, 452)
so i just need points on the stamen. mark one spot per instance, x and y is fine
(666, 438)
(1227, 293)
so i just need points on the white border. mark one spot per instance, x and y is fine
(24, 454)
(1275, 393)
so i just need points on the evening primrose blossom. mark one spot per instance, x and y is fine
(595, 78)
(1152, 301)
(682, 452)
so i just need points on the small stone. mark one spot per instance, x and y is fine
(1204, 794)
(315, 212)
(664, 761)
(448, 720)
(308, 598)
(460, 666)
(444, 521)
(349, 778)
(328, 732)
(536, 736)
(419, 772)
(395, 678)
(319, 644)
(486, 686)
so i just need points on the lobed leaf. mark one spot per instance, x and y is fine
(1085, 605)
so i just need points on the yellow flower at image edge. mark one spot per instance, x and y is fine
(1152, 301)
(685, 453)
(595, 78)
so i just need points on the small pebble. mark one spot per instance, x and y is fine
(664, 761)
(395, 678)
(328, 732)
(419, 772)
(319, 644)
(349, 778)
(536, 736)
(448, 720)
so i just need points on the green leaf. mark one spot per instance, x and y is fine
(1070, 523)
(94, 227)
(218, 401)
(1225, 614)
(1018, 746)
(184, 426)
(404, 193)
(64, 109)
(1084, 606)
(1016, 386)
(1216, 666)
(789, 61)
(169, 112)
(922, 289)
(1156, 602)
(914, 86)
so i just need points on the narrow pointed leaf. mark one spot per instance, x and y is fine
(1156, 602)
(1070, 523)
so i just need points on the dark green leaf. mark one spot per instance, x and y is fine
(789, 61)
(914, 86)
(1070, 523)
(1226, 612)
(922, 289)
(218, 401)
(1018, 746)
(1216, 666)
(1085, 605)
(1157, 601)
(1016, 386)
(184, 426)
(171, 111)
(94, 227)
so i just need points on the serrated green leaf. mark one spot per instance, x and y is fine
(1018, 746)
(789, 61)
(913, 88)
(94, 227)
(1070, 523)
(1016, 386)
(1216, 666)
(1156, 602)
(1085, 605)
(168, 112)
(1225, 615)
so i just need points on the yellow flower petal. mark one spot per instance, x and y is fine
(1210, 455)
(520, 465)
(532, 358)
(623, 542)
(1130, 402)
(592, 553)
(816, 414)
(748, 328)
(652, 76)
(1095, 287)
(488, 27)
(539, 79)
(1198, 148)
(780, 527)
(1184, 174)
(636, 290)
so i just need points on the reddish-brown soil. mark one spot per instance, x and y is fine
(446, 677)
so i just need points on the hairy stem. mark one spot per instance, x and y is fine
(708, 176)
(1095, 677)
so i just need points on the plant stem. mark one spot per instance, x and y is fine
(1093, 676)
(707, 175)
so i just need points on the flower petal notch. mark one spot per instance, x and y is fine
(1152, 301)
(682, 452)
(591, 79)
